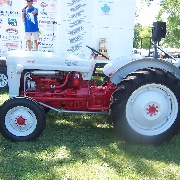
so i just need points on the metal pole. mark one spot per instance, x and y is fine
(155, 49)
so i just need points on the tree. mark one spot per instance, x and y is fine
(142, 36)
(171, 9)
(169, 13)
(137, 37)
(146, 34)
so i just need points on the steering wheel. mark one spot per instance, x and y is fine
(97, 52)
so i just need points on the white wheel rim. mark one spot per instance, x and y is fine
(152, 109)
(20, 121)
(3, 80)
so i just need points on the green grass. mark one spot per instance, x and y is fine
(85, 147)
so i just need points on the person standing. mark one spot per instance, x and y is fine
(29, 17)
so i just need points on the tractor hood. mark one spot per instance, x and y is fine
(48, 61)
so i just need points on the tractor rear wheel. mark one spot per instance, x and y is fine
(22, 119)
(145, 107)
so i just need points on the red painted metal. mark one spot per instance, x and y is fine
(20, 121)
(71, 92)
(152, 110)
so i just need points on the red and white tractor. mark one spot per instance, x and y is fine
(141, 95)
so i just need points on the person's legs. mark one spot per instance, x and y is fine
(28, 38)
(29, 45)
(35, 45)
(35, 36)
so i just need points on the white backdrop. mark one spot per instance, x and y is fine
(67, 26)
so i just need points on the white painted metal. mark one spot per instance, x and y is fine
(151, 109)
(115, 64)
(17, 129)
(49, 61)
(124, 67)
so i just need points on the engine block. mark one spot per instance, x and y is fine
(66, 90)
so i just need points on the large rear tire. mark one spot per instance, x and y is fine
(145, 107)
(22, 119)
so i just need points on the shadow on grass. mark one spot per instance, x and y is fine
(81, 139)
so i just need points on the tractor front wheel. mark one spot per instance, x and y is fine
(22, 119)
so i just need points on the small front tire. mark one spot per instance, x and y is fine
(22, 119)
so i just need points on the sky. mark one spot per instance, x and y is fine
(147, 12)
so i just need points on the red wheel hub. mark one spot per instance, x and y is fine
(152, 110)
(21, 121)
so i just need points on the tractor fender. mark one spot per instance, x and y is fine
(117, 63)
(141, 64)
